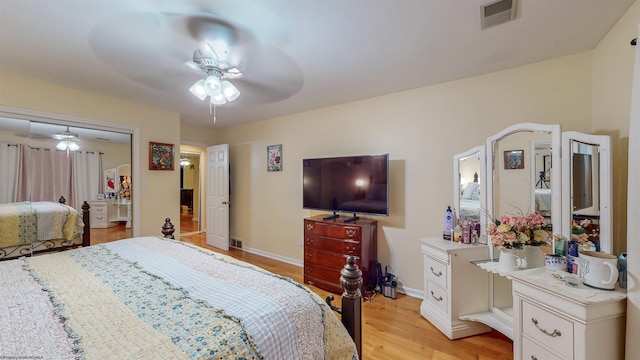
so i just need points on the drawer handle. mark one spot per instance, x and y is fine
(309, 270)
(309, 241)
(351, 233)
(434, 296)
(309, 256)
(309, 227)
(99, 209)
(533, 357)
(99, 218)
(439, 273)
(555, 332)
(351, 250)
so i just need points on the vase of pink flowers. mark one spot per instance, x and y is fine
(524, 231)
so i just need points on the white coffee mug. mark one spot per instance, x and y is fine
(598, 270)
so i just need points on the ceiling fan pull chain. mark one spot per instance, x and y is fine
(211, 105)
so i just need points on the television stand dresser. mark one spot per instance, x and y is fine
(327, 244)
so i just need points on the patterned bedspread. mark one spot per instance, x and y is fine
(25, 222)
(154, 298)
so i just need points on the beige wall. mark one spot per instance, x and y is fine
(161, 197)
(613, 66)
(421, 130)
(612, 72)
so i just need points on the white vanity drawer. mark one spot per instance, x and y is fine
(548, 328)
(436, 272)
(437, 297)
(533, 351)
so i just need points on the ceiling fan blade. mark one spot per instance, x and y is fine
(269, 75)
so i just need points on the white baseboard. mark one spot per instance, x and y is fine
(412, 292)
(274, 256)
(405, 290)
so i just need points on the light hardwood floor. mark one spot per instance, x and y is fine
(392, 329)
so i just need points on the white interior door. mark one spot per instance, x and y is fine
(218, 196)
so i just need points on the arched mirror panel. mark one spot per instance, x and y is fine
(524, 173)
(469, 195)
(586, 190)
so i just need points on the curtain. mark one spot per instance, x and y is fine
(86, 177)
(9, 160)
(633, 214)
(50, 174)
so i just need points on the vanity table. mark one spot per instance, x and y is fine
(576, 169)
(123, 211)
(452, 287)
(553, 320)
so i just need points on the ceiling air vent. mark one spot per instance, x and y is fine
(497, 12)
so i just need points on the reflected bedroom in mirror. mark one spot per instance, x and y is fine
(45, 160)
(469, 197)
(587, 192)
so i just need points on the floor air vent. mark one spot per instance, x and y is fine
(497, 12)
(234, 243)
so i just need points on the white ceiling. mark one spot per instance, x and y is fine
(295, 55)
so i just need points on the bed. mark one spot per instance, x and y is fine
(34, 227)
(158, 298)
(543, 201)
(470, 201)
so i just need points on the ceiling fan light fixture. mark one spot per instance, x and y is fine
(218, 99)
(62, 145)
(212, 85)
(230, 92)
(197, 89)
(73, 146)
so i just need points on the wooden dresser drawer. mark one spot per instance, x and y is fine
(334, 231)
(548, 328)
(330, 260)
(437, 297)
(436, 272)
(318, 271)
(346, 247)
(329, 241)
(533, 351)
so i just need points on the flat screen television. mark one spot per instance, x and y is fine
(348, 184)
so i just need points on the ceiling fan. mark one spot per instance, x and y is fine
(226, 51)
(216, 84)
(68, 141)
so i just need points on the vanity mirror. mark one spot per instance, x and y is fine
(525, 172)
(516, 156)
(586, 192)
(469, 197)
(520, 190)
(110, 183)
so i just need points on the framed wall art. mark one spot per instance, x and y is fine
(514, 159)
(160, 156)
(274, 157)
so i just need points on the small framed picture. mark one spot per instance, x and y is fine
(160, 156)
(514, 159)
(274, 157)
